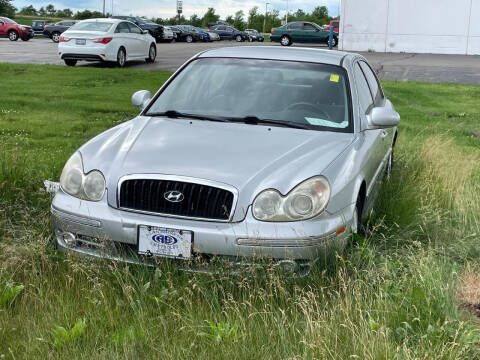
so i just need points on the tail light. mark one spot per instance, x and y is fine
(104, 41)
(63, 39)
(272, 31)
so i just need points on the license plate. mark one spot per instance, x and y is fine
(164, 242)
(80, 42)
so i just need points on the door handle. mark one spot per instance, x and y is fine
(383, 134)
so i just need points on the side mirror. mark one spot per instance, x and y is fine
(141, 99)
(382, 117)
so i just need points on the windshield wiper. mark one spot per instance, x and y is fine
(173, 114)
(254, 120)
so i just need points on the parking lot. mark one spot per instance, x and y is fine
(399, 66)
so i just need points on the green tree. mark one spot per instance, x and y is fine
(7, 9)
(238, 21)
(229, 19)
(255, 20)
(42, 12)
(29, 10)
(195, 20)
(50, 9)
(209, 17)
(65, 13)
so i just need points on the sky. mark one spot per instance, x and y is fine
(167, 8)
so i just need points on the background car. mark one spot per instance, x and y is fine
(229, 33)
(213, 36)
(254, 35)
(54, 31)
(183, 34)
(112, 40)
(155, 30)
(197, 35)
(168, 34)
(335, 24)
(39, 25)
(10, 29)
(302, 32)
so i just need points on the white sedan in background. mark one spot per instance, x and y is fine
(111, 40)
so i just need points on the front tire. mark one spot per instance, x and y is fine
(152, 54)
(285, 40)
(189, 39)
(70, 62)
(121, 57)
(56, 37)
(239, 38)
(13, 35)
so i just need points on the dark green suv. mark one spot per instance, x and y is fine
(302, 32)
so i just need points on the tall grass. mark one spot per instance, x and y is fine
(393, 295)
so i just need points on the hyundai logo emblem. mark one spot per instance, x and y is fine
(173, 196)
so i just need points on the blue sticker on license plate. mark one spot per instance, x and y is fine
(80, 42)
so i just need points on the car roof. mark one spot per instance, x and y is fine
(331, 57)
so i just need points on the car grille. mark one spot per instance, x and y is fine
(200, 201)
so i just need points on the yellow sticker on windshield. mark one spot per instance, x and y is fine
(334, 77)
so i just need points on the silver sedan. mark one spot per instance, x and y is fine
(245, 153)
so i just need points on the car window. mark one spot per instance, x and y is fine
(313, 95)
(122, 28)
(134, 28)
(335, 24)
(309, 27)
(97, 26)
(364, 94)
(294, 26)
(372, 81)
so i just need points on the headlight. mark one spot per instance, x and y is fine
(305, 201)
(73, 181)
(23, 28)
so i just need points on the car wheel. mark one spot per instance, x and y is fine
(13, 35)
(389, 167)
(189, 39)
(56, 37)
(334, 41)
(152, 54)
(355, 221)
(285, 40)
(238, 38)
(70, 62)
(121, 57)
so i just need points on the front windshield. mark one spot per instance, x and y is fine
(92, 26)
(9, 21)
(312, 95)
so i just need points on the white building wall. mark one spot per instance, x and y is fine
(419, 26)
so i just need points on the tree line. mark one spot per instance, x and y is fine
(255, 19)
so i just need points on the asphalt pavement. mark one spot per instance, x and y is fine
(462, 69)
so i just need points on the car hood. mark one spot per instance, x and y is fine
(249, 157)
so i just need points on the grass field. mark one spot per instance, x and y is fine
(402, 292)
(27, 20)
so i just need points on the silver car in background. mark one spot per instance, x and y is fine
(245, 153)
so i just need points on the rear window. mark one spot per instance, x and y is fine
(92, 26)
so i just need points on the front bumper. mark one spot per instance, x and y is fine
(96, 229)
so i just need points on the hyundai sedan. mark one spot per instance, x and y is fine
(112, 40)
(245, 153)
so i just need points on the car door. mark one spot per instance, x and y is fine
(372, 140)
(295, 31)
(122, 37)
(379, 99)
(3, 28)
(311, 34)
(135, 40)
(222, 31)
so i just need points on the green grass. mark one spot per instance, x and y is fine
(390, 296)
